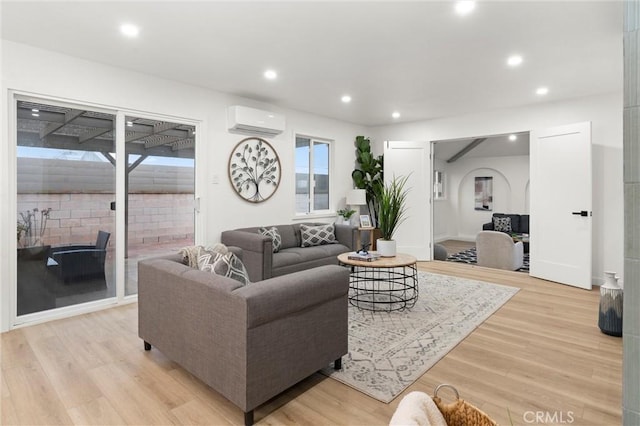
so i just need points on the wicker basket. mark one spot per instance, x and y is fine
(460, 412)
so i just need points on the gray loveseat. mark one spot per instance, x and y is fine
(262, 263)
(251, 342)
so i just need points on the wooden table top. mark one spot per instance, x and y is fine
(399, 260)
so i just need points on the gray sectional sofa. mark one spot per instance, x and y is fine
(251, 342)
(262, 263)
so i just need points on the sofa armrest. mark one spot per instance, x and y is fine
(347, 235)
(487, 226)
(257, 252)
(285, 295)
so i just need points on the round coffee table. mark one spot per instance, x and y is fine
(385, 284)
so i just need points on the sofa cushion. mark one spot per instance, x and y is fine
(502, 224)
(274, 234)
(300, 255)
(228, 265)
(312, 236)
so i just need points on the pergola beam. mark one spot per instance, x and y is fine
(183, 144)
(94, 145)
(69, 116)
(93, 134)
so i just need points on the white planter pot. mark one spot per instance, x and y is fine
(386, 248)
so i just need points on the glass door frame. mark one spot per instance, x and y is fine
(13, 97)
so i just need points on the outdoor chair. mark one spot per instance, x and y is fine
(79, 262)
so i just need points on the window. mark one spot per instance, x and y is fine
(438, 185)
(312, 174)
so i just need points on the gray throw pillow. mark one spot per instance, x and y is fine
(275, 236)
(228, 265)
(502, 224)
(317, 235)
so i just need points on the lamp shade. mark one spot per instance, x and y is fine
(357, 197)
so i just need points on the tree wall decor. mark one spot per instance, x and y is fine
(254, 170)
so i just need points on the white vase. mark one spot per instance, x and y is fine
(386, 248)
(610, 280)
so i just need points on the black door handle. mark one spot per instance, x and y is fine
(581, 213)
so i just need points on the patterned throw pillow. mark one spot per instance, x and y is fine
(274, 235)
(317, 235)
(208, 254)
(502, 224)
(228, 265)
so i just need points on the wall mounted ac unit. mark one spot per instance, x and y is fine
(252, 121)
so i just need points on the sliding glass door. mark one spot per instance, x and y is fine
(65, 185)
(67, 214)
(159, 210)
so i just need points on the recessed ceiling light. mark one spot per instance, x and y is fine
(395, 114)
(346, 99)
(514, 60)
(35, 110)
(129, 123)
(129, 30)
(35, 114)
(464, 7)
(542, 91)
(512, 138)
(270, 75)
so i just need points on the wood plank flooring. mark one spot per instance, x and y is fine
(541, 352)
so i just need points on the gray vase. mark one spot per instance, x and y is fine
(611, 301)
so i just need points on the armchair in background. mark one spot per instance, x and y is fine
(498, 250)
(79, 262)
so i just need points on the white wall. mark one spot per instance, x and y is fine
(23, 69)
(605, 114)
(510, 180)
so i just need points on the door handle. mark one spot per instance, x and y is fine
(583, 213)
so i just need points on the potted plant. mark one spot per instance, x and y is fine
(392, 212)
(368, 175)
(346, 214)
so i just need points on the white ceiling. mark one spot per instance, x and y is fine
(492, 146)
(418, 58)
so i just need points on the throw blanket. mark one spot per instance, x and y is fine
(417, 409)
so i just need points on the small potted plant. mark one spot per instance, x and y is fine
(346, 214)
(392, 212)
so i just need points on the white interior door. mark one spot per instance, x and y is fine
(412, 159)
(560, 223)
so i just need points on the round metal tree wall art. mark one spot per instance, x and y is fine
(254, 170)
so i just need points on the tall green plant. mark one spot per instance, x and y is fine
(393, 206)
(368, 175)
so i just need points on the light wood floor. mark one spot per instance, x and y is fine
(541, 352)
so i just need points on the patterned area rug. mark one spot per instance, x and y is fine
(389, 351)
(470, 256)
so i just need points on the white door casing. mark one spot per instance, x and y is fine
(561, 202)
(403, 158)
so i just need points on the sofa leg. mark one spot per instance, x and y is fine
(248, 418)
(147, 346)
(337, 364)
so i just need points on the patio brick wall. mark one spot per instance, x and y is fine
(77, 218)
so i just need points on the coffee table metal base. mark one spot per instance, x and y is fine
(383, 289)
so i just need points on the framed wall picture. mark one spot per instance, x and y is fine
(365, 221)
(484, 193)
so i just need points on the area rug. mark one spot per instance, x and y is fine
(389, 351)
(470, 256)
